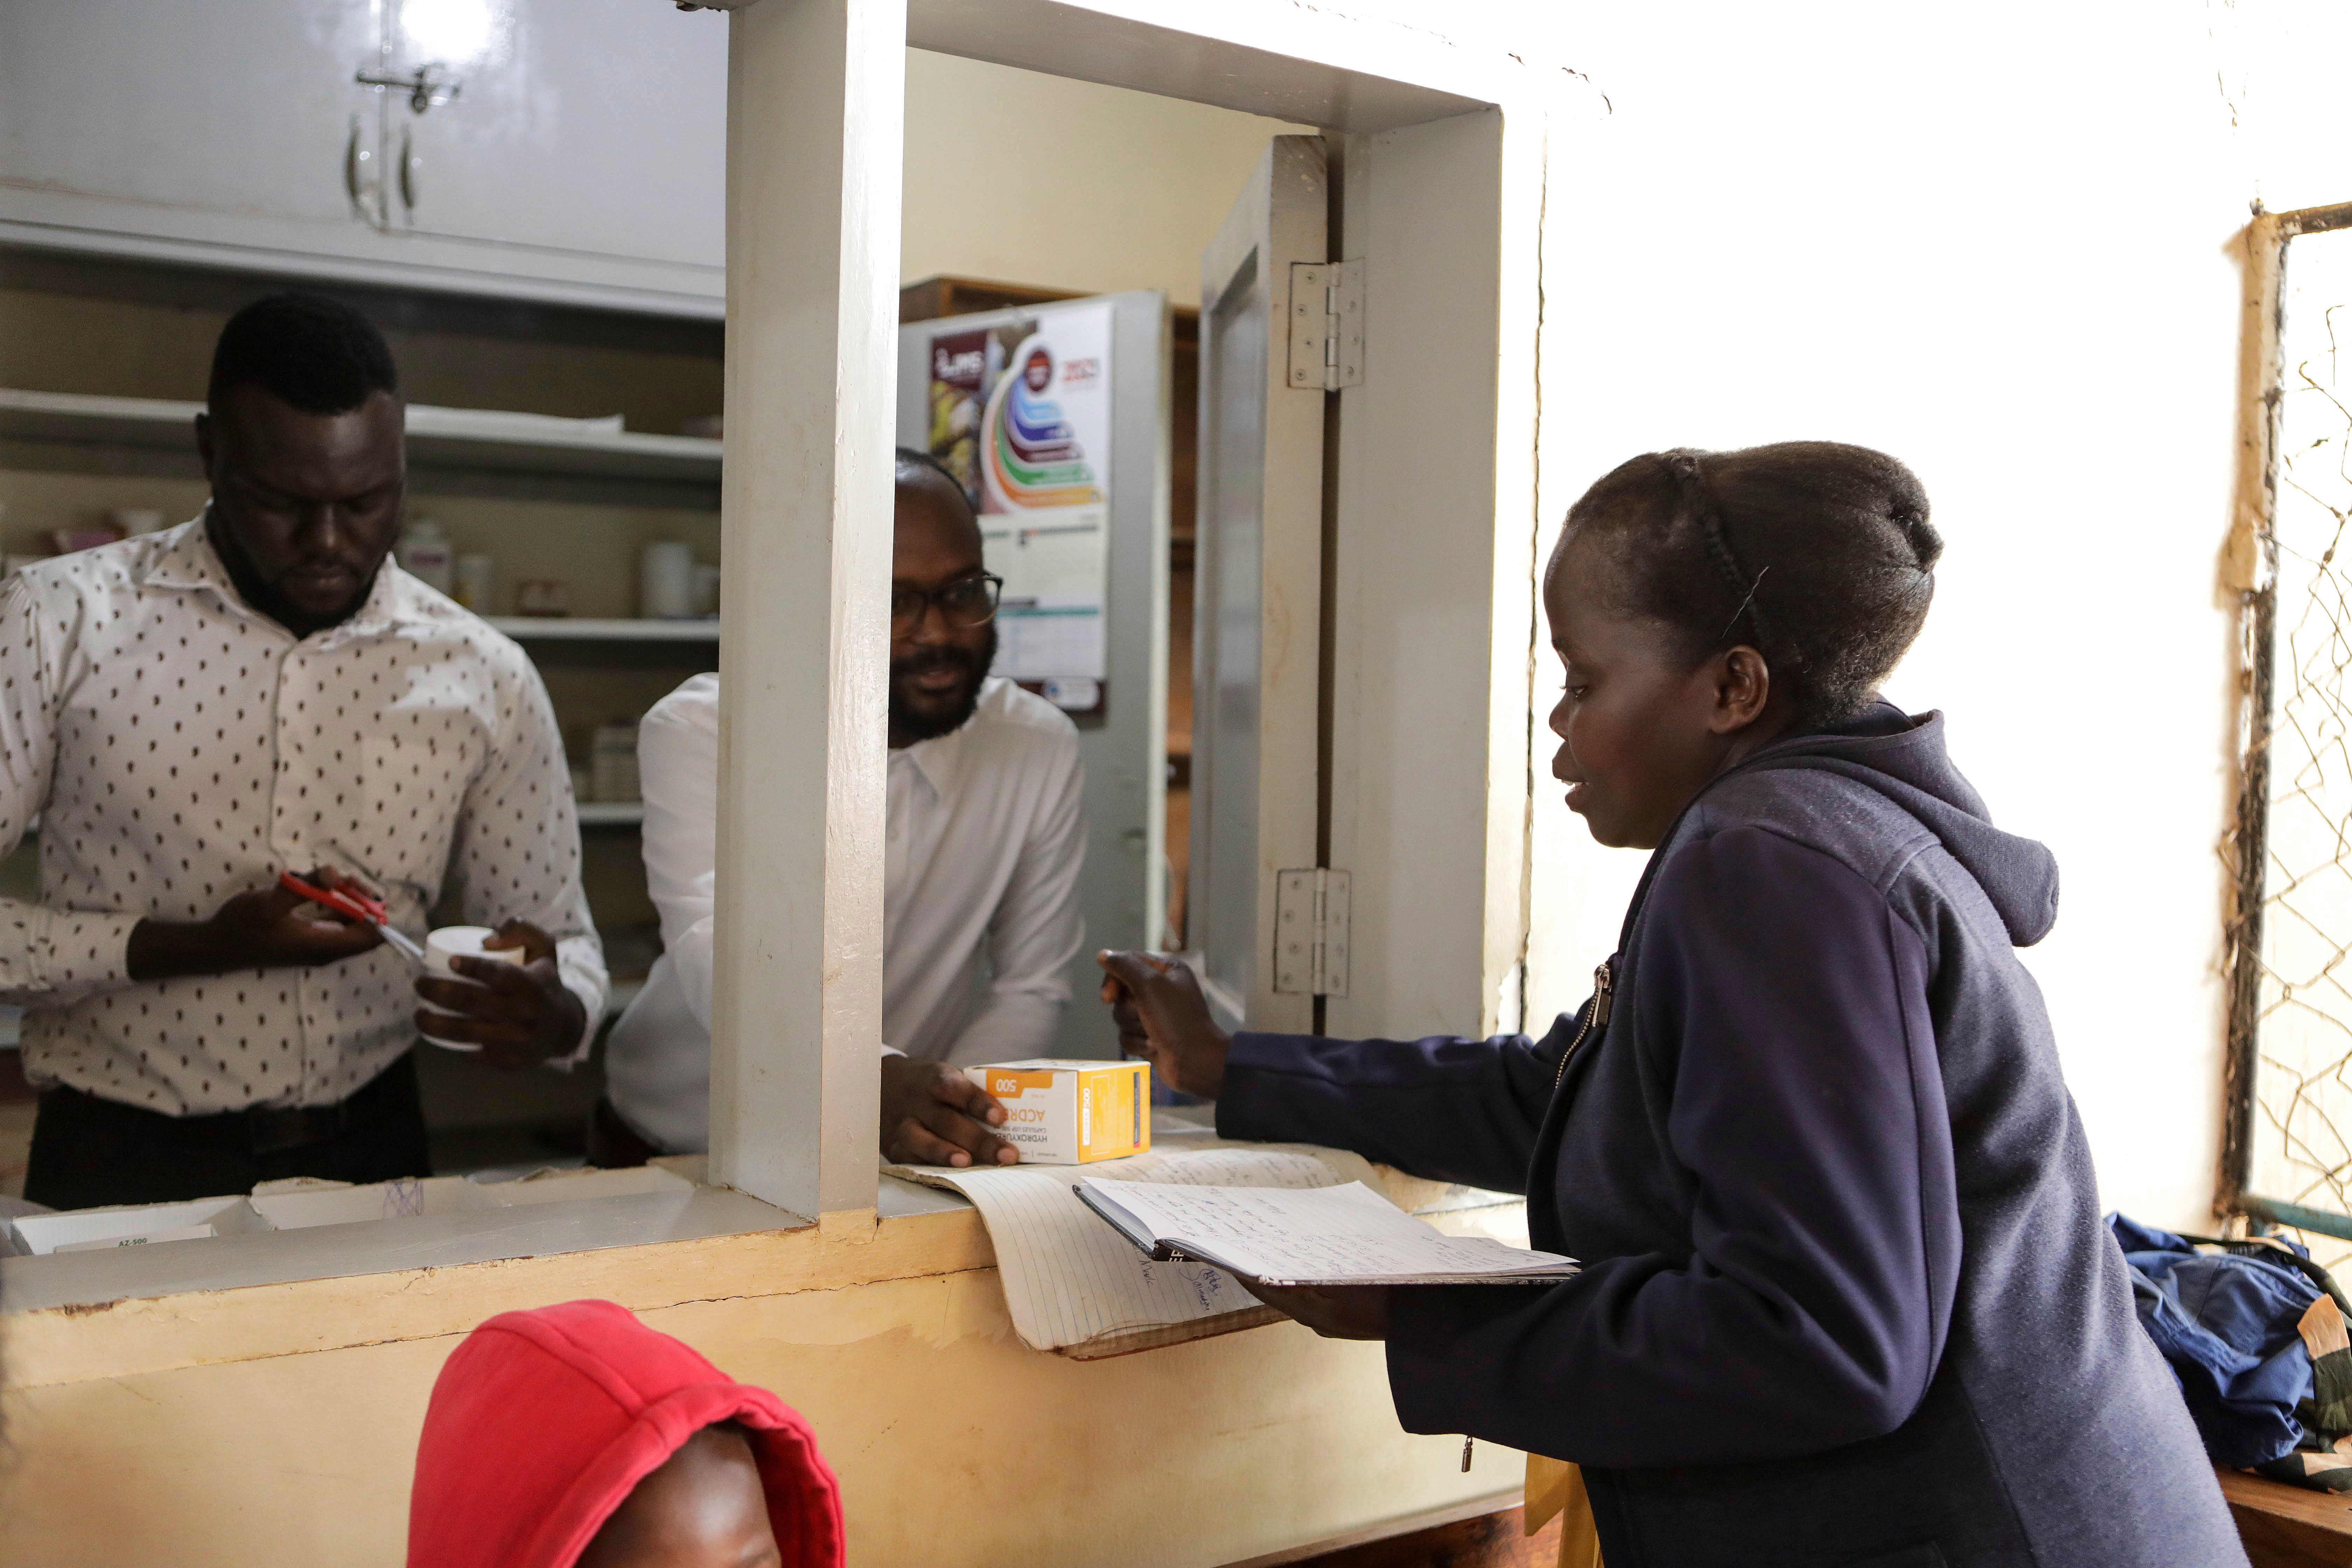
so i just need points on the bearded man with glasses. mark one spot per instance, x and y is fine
(980, 891)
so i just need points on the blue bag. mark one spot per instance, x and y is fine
(2226, 1325)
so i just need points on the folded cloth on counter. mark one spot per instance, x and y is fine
(2257, 1343)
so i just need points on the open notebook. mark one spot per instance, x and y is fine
(1322, 1236)
(1074, 1285)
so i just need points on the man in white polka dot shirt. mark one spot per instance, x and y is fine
(260, 690)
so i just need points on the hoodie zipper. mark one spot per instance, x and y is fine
(1596, 1016)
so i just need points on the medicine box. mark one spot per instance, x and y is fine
(1071, 1112)
(132, 1225)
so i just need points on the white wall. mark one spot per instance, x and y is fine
(1995, 243)
(2280, 65)
(1022, 178)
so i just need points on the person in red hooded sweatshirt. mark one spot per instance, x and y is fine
(575, 1436)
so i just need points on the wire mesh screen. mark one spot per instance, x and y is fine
(2298, 1161)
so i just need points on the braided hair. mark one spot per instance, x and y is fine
(1818, 556)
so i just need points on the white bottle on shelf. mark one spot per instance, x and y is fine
(666, 580)
(474, 577)
(425, 553)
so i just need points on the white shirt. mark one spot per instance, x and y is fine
(181, 748)
(980, 899)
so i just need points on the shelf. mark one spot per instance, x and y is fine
(563, 628)
(76, 429)
(611, 813)
(460, 438)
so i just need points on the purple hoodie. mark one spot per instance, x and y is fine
(1847, 1299)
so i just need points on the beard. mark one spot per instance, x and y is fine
(916, 716)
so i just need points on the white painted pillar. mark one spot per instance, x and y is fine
(816, 91)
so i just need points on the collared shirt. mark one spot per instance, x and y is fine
(980, 898)
(181, 748)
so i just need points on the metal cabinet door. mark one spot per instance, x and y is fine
(233, 107)
(1257, 606)
(597, 126)
(581, 156)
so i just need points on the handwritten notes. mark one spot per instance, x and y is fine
(1330, 1235)
(1076, 1286)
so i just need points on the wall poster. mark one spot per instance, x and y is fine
(1021, 414)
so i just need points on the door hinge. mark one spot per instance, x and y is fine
(1311, 933)
(1327, 325)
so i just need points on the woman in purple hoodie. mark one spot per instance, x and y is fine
(1846, 1298)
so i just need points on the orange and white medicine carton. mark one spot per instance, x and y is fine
(1071, 1112)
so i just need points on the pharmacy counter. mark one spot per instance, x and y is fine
(260, 1405)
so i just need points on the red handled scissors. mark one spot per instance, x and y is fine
(359, 906)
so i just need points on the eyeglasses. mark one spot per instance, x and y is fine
(966, 602)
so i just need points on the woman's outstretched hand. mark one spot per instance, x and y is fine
(1163, 1019)
(1337, 1312)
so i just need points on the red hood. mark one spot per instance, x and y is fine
(542, 1422)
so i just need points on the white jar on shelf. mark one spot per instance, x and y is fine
(473, 578)
(666, 580)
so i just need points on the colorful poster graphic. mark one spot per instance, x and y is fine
(1021, 415)
(1034, 458)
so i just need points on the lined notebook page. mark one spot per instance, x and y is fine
(1329, 1236)
(1070, 1280)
